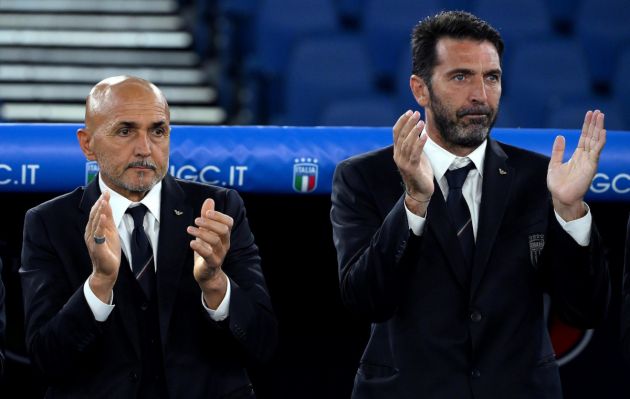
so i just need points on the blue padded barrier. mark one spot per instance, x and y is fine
(261, 159)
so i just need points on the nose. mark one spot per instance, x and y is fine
(478, 94)
(142, 145)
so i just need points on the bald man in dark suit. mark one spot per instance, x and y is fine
(141, 285)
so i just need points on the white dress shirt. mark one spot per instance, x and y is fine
(441, 160)
(124, 222)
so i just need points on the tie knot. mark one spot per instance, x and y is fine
(137, 213)
(456, 177)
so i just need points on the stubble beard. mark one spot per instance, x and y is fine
(459, 133)
(139, 188)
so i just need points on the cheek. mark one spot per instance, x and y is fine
(162, 154)
(496, 93)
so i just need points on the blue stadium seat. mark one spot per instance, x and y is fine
(518, 21)
(361, 111)
(387, 26)
(563, 13)
(603, 26)
(541, 71)
(350, 10)
(281, 23)
(322, 70)
(279, 26)
(621, 88)
(569, 113)
(404, 96)
(237, 7)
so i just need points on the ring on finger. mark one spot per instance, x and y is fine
(99, 240)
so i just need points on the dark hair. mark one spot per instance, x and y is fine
(452, 24)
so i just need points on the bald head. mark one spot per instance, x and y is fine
(111, 93)
(127, 130)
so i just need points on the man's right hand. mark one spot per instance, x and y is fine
(413, 165)
(105, 256)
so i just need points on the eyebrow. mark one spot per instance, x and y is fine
(126, 124)
(467, 71)
(457, 71)
(157, 124)
(134, 125)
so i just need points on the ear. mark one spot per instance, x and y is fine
(85, 142)
(419, 89)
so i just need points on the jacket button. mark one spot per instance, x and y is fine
(133, 376)
(475, 373)
(475, 316)
(144, 306)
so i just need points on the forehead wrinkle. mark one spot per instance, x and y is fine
(120, 94)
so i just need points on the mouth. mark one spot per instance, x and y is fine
(475, 119)
(142, 166)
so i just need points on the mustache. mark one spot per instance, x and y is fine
(478, 110)
(142, 164)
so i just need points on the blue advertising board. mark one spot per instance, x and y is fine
(261, 159)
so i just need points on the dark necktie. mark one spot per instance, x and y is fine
(141, 252)
(458, 208)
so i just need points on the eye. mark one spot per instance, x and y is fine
(124, 131)
(494, 77)
(459, 77)
(160, 131)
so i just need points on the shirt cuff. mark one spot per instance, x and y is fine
(416, 223)
(579, 229)
(223, 311)
(100, 310)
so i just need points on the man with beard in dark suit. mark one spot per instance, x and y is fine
(448, 240)
(141, 285)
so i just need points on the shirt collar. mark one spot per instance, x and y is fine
(120, 204)
(441, 159)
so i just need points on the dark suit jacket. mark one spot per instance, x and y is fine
(3, 321)
(81, 357)
(435, 334)
(625, 298)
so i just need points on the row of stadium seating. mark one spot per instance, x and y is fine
(292, 58)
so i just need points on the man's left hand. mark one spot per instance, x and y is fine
(569, 181)
(211, 244)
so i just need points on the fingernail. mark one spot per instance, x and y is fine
(408, 113)
(197, 220)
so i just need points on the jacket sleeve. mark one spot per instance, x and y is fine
(3, 322)
(625, 299)
(577, 277)
(251, 319)
(60, 327)
(373, 252)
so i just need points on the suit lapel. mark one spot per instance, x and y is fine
(496, 187)
(122, 289)
(173, 245)
(90, 195)
(439, 222)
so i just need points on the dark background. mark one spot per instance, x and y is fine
(320, 342)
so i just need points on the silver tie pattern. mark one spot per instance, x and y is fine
(458, 209)
(143, 264)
